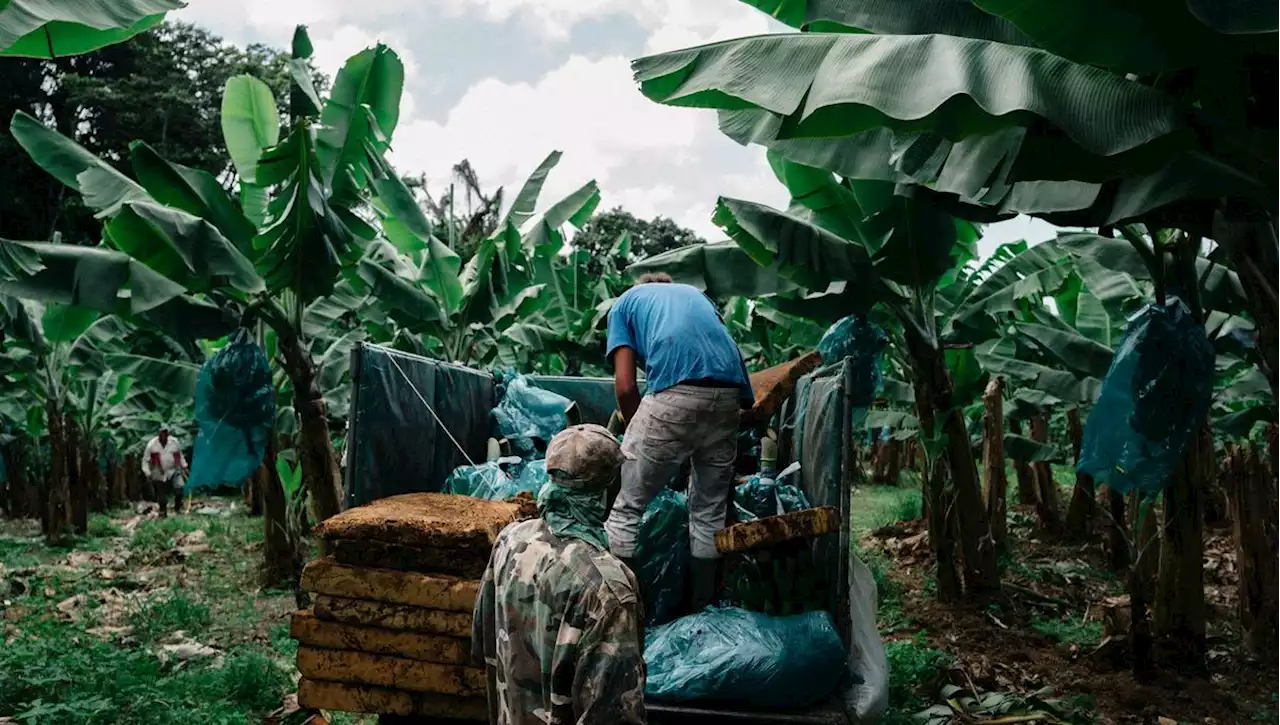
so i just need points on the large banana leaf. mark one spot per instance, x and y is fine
(183, 248)
(393, 283)
(544, 238)
(372, 79)
(526, 201)
(1001, 357)
(56, 28)
(830, 85)
(193, 191)
(104, 189)
(250, 123)
(720, 269)
(304, 246)
(407, 227)
(893, 17)
(1068, 349)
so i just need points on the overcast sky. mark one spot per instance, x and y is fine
(504, 82)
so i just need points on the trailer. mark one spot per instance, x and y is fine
(413, 420)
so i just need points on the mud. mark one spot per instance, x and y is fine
(424, 520)
(344, 697)
(309, 630)
(392, 616)
(467, 563)
(433, 591)
(397, 673)
(777, 529)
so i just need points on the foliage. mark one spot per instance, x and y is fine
(914, 669)
(1070, 632)
(646, 238)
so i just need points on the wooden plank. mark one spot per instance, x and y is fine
(346, 697)
(433, 591)
(392, 616)
(773, 530)
(309, 630)
(361, 668)
(468, 563)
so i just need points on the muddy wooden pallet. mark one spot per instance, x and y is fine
(389, 631)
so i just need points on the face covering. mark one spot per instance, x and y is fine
(578, 513)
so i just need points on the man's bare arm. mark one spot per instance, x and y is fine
(624, 382)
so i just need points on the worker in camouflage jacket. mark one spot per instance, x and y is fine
(557, 623)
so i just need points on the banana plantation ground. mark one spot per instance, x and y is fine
(148, 620)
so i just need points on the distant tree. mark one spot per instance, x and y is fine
(648, 238)
(163, 87)
(463, 214)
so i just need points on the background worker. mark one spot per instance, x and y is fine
(696, 388)
(558, 618)
(164, 467)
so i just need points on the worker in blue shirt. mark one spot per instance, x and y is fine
(696, 386)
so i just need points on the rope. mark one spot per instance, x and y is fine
(430, 410)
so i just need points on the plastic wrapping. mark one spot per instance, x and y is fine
(732, 656)
(662, 552)
(594, 398)
(396, 444)
(498, 480)
(1155, 397)
(866, 692)
(529, 416)
(236, 410)
(762, 495)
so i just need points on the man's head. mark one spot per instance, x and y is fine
(661, 277)
(585, 457)
(164, 434)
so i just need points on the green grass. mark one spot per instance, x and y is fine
(1069, 631)
(55, 673)
(915, 671)
(876, 506)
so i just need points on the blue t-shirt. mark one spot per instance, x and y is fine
(678, 334)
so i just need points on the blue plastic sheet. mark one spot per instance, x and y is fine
(662, 554)
(497, 480)
(529, 416)
(236, 410)
(1155, 397)
(732, 656)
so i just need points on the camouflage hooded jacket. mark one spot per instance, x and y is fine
(558, 626)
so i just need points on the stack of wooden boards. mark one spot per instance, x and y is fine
(390, 628)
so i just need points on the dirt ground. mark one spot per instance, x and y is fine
(1051, 631)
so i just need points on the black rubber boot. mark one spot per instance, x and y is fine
(702, 583)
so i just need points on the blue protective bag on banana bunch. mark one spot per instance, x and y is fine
(763, 495)
(662, 552)
(1155, 397)
(858, 338)
(236, 411)
(528, 416)
(742, 658)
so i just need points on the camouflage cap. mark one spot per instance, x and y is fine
(584, 456)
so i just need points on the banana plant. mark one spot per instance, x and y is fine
(316, 203)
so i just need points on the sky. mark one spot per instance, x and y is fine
(503, 83)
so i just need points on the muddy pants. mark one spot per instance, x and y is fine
(162, 490)
(679, 424)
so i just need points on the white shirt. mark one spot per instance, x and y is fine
(170, 458)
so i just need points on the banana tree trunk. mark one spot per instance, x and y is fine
(1048, 500)
(279, 554)
(1179, 601)
(994, 481)
(320, 470)
(1251, 244)
(1251, 493)
(132, 483)
(77, 485)
(1080, 510)
(933, 393)
(1117, 540)
(58, 499)
(93, 476)
(1026, 479)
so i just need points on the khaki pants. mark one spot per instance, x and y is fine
(679, 424)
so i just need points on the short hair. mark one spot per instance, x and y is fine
(648, 277)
